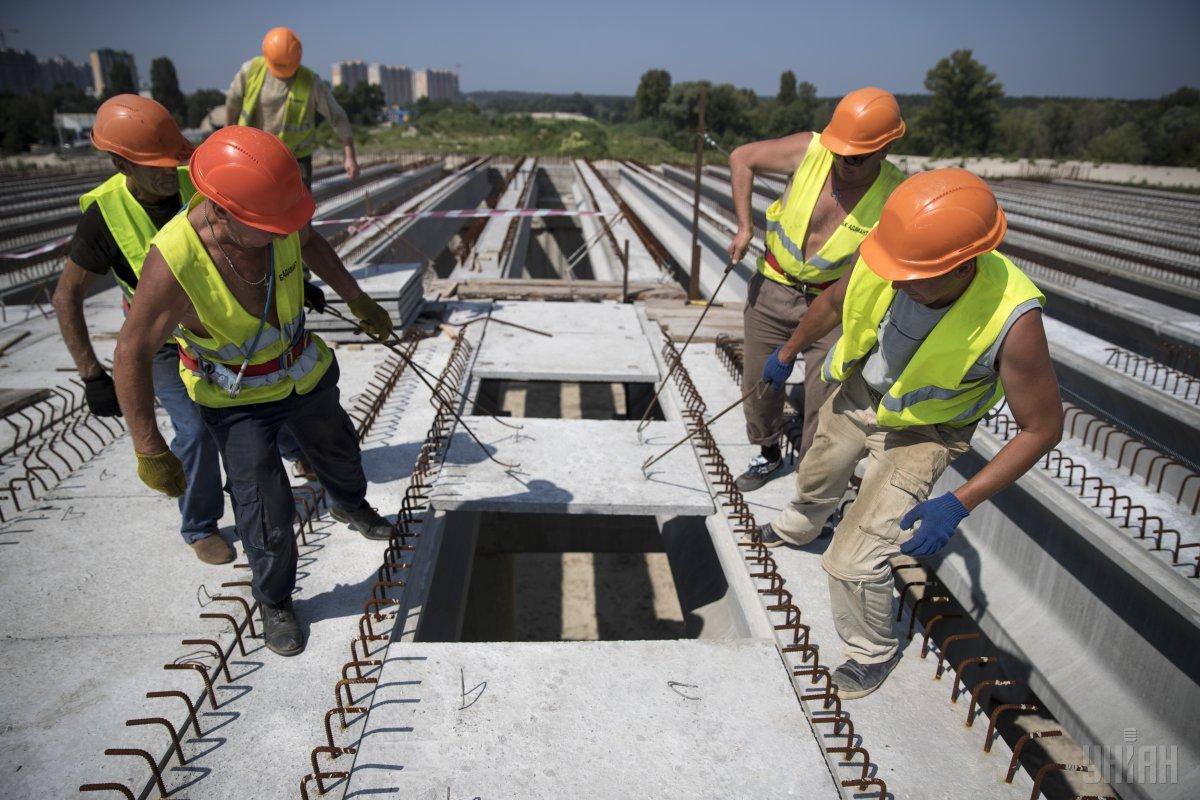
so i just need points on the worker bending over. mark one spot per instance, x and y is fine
(120, 217)
(274, 93)
(226, 276)
(937, 328)
(839, 181)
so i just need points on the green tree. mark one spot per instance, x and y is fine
(787, 88)
(120, 80)
(164, 87)
(727, 114)
(961, 115)
(363, 104)
(652, 91)
(1058, 123)
(1122, 145)
(200, 102)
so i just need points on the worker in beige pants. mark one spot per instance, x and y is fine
(839, 180)
(937, 328)
(902, 466)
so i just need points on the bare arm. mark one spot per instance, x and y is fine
(72, 288)
(336, 115)
(323, 260)
(772, 155)
(160, 305)
(1032, 391)
(822, 316)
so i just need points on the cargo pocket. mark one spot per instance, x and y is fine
(249, 514)
(904, 490)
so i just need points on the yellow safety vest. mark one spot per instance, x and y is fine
(232, 330)
(128, 221)
(299, 130)
(931, 388)
(788, 218)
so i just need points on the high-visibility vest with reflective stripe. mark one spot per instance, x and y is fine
(299, 129)
(231, 330)
(931, 389)
(788, 218)
(127, 221)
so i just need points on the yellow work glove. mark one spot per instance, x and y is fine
(162, 472)
(375, 322)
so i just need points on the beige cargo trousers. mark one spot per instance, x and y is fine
(771, 315)
(902, 466)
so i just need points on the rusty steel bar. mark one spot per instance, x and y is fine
(175, 741)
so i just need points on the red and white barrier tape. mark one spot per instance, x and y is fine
(37, 251)
(462, 213)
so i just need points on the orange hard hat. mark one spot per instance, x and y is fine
(140, 130)
(281, 50)
(933, 222)
(252, 175)
(864, 121)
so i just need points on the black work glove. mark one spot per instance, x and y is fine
(314, 298)
(101, 395)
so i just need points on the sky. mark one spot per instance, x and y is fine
(1077, 48)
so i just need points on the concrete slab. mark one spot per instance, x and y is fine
(569, 318)
(540, 720)
(611, 358)
(573, 466)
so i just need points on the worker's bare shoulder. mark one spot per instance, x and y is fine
(1025, 345)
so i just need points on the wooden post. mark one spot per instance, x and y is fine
(625, 276)
(694, 283)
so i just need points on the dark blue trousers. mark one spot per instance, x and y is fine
(263, 506)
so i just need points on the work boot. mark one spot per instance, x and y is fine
(773, 538)
(302, 469)
(853, 679)
(366, 521)
(281, 631)
(212, 549)
(760, 471)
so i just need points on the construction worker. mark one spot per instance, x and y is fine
(120, 217)
(937, 328)
(225, 274)
(839, 181)
(275, 93)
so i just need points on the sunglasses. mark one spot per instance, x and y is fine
(854, 161)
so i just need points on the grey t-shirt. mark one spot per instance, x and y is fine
(905, 326)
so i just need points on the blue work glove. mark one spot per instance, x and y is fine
(775, 372)
(939, 520)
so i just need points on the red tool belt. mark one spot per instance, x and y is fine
(807, 288)
(284, 361)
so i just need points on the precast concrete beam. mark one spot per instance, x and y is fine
(403, 239)
(642, 266)
(718, 191)
(499, 252)
(670, 218)
(1100, 628)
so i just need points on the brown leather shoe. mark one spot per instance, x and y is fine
(212, 549)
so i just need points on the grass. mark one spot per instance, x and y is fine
(510, 135)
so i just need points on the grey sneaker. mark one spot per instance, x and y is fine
(758, 473)
(853, 679)
(366, 521)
